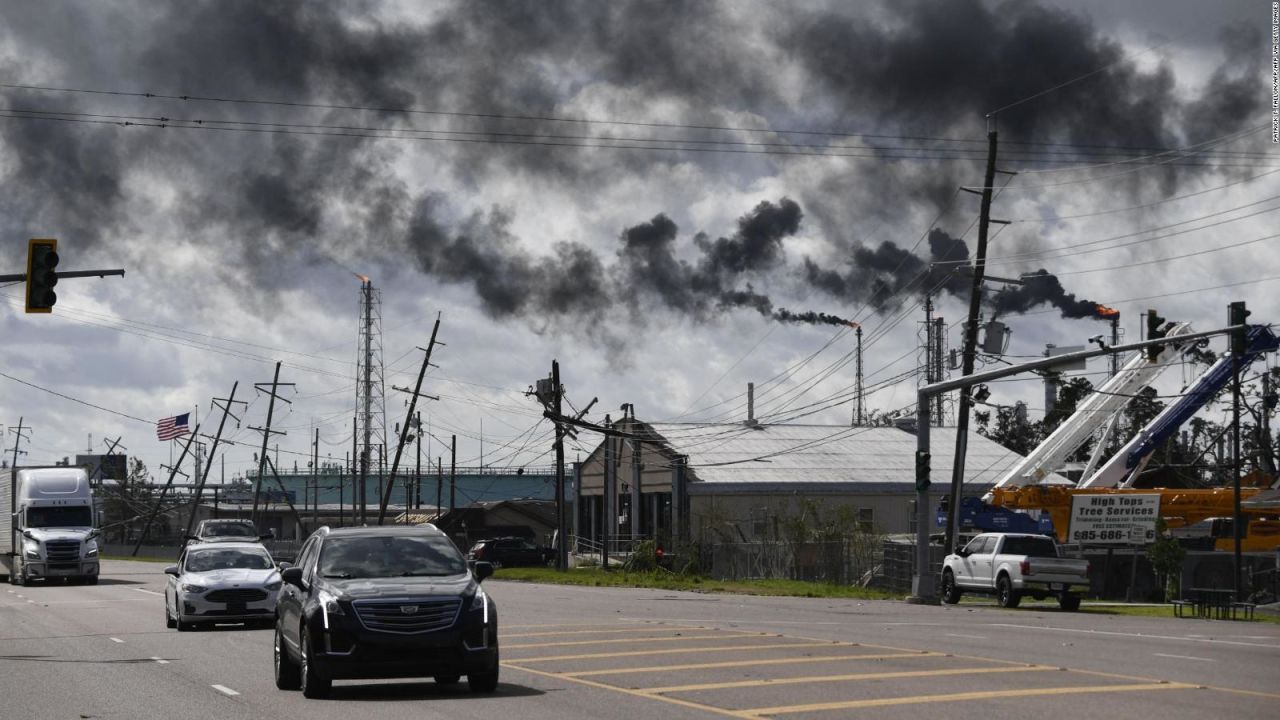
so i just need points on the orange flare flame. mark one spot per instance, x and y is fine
(1106, 312)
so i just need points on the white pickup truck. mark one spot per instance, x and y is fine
(1011, 565)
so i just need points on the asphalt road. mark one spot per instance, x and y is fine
(569, 653)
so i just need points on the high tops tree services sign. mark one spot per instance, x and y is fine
(1114, 519)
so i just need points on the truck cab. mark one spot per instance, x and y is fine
(46, 526)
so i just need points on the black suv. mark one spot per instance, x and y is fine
(510, 552)
(383, 602)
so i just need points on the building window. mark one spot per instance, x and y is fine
(866, 520)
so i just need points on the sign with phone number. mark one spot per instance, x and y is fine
(1114, 519)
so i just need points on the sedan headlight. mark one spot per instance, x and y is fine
(272, 586)
(32, 550)
(189, 588)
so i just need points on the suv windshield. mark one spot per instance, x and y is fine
(391, 556)
(54, 517)
(1031, 547)
(229, 530)
(227, 559)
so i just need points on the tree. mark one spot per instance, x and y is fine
(1166, 556)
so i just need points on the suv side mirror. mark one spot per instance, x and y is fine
(293, 576)
(171, 570)
(482, 570)
(963, 552)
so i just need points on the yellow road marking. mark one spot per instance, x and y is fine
(954, 697)
(620, 641)
(717, 648)
(839, 678)
(609, 632)
(633, 693)
(748, 663)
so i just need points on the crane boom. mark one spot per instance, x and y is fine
(1093, 412)
(1123, 468)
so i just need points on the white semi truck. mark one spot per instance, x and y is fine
(46, 525)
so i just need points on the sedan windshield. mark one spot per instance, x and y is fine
(227, 559)
(229, 530)
(392, 556)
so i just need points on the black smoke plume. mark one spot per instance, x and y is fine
(887, 275)
(811, 317)
(1042, 288)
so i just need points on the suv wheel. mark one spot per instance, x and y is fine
(314, 684)
(447, 679)
(484, 682)
(169, 622)
(287, 675)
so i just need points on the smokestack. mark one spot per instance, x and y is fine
(751, 404)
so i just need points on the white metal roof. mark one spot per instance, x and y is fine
(829, 454)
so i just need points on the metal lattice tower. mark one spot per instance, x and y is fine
(933, 339)
(371, 406)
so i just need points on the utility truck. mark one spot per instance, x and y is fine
(46, 525)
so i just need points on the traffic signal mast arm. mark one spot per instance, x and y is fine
(1123, 468)
(1094, 412)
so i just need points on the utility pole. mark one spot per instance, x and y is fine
(225, 405)
(562, 548)
(417, 470)
(969, 353)
(267, 432)
(858, 407)
(404, 431)
(315, 480)
(439, 486)
(173, 470)
(1236, 316)
(17, 440)
(453, 472)
(357, 486)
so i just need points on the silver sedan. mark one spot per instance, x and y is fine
(221, 583)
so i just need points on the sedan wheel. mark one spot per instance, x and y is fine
(314, 684)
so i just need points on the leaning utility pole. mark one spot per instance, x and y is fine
(173, 470)
(225, 405)
(969, 353)
(267, 432)
(404, 431)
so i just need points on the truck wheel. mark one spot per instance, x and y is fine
(1069, 602)
(950, 593)
(1005, 593)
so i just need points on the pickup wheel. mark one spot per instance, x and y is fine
(950, 592)
(1069, 602)
(1005, 594)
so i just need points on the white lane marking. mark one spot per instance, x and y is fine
(149, 592)
(1125, 634)
(160, 661)
(116, 640)
(972, 637)
(224, 690)
(1184, 657)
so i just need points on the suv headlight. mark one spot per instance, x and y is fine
(188, 587)
(329, 605)
(480, 602)
(32, 550)
(91, 549)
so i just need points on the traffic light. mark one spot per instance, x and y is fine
(922, 471)
(1237, 315)
(42, 258)
(1154, 331)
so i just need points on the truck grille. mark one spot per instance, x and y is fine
(236, 595)
(407, 616)
(63, 553)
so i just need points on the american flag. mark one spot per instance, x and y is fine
(172, 427)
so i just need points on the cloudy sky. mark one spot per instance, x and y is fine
(640, 190)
